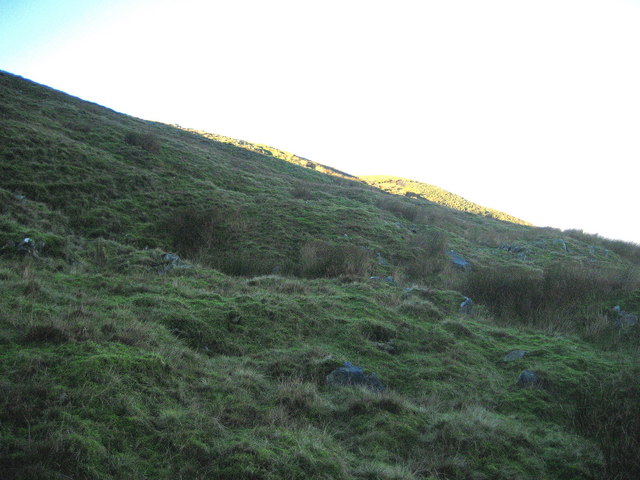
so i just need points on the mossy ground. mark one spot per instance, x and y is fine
(110, 369)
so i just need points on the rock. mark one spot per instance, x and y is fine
(553, 241)
(389, 279)
(458, 261)
(171, 261)
(514, 355)
(466, 306)
(562, 243)
(29, 247)
(350, 375)
(624, 319)
(381, 260)
(528, 379)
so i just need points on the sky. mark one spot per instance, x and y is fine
(529, 107)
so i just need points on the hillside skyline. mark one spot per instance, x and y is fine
(472, 98)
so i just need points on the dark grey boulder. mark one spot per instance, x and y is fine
(466, 306)
(349, 375)
(459, 261)
(528, 379)
(514, 355)
(624, 319)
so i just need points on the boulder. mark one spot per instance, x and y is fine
(459, 261)
(528, 379)
(349, 375)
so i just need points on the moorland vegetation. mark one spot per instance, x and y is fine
(172, 303)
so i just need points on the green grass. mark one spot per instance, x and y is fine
(110, 369)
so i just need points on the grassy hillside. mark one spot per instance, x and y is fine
(118, 361)
(411, 188)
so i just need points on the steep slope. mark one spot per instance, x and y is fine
(120, 361)
(403, 186)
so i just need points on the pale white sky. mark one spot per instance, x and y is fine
(530, 107)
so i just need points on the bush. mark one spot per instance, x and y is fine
(506, 291)
(193, 231)
(146, 141)
(531, 293)
(428, 254)
(402, 208)
(321, 259)
(609, 412)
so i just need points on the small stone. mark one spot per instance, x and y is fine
(624, 319)
(381, 260)
(466, 306)
(514, 355)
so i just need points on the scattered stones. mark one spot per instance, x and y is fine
(519, 251)
(459, 261)
(528, 379)
(171, 261)
(554, 241)
(514, 355)
(349, 375)
(512, 248)
(624, 319)
(466, 306)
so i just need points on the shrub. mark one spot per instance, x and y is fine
(402, 208)
(428, 254)
(193, 231)
(506, 291)
(321, 259)
(562, 288)
(628, 250)
(146, 141)
(609, 412)
(303, 191)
